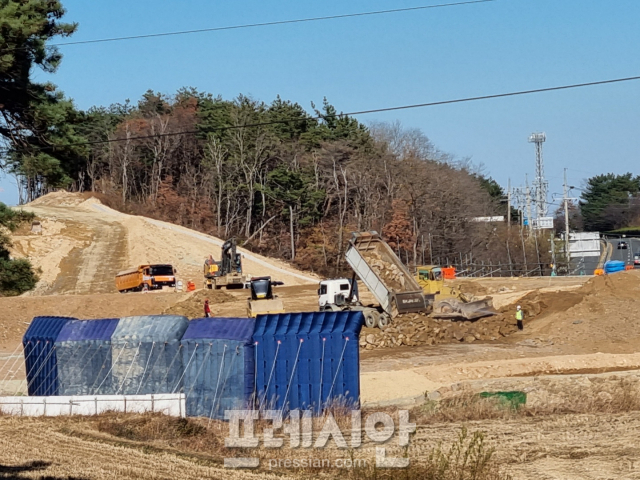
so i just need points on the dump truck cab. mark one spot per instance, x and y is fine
(149, 277)
(337, 291)
(162, 275)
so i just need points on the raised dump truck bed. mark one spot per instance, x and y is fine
(378, 267)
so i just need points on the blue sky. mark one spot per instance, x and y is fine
(395, 59)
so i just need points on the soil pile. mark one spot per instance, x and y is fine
(193, 305)
(417, 329)
(600, 316)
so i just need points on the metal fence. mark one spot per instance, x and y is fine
(514, 269)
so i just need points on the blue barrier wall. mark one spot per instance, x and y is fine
(217, 354)
(145, 353)
(40, 356)
(83, 348)
(307, 360)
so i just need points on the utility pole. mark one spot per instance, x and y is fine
(566, 217)
(509, 205)
(528, 201)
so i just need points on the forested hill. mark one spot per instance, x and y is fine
(293, 183)
(285, 181)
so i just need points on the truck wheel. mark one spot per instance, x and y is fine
(383, 321)
(370, 320)
(209, 286)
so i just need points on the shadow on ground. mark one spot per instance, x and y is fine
(13, 472)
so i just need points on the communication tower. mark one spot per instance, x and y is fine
(540, 184)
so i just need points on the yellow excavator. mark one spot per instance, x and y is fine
(262, 300)
(449, 301)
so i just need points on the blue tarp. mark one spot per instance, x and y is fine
(83, 348)
(40, 354)
(613, 266)
(146, 356)
(218, 358)
(307, 360)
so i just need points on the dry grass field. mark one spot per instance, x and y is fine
(465, 437)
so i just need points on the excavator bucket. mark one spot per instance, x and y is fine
(454, 308)
(262, 307)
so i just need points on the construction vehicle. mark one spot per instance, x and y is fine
(389, 281)
(228, 271)
(149, 277)
(449, 301)
(262, 300)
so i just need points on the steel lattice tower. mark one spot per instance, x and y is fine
(540, 184)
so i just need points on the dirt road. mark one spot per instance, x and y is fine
(84, 244)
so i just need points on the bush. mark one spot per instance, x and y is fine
(16, 276)
(12, 219)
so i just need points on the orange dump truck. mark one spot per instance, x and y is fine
(153, 276)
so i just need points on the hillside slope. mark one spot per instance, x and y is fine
(84, 244)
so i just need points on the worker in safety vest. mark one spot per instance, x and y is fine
(207, 309)
(519, 317)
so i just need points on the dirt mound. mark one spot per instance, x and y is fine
(415, 330)
(193, 305)
(538, 303)
(620, 285)
(61, 198)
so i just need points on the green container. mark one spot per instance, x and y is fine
(513, 399)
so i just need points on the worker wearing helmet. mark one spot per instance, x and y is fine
(519, 317)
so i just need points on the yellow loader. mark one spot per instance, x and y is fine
(449, 301)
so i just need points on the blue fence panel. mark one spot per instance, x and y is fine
(307, 360)
(146, 356)
(83, 348)
(218, 357)
(41, 361)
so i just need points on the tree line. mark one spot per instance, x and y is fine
(284, 181)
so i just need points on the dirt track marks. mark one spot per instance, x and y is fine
(24, 440)
(91, 266)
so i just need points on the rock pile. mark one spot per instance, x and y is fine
(390, 274)
(418, 329)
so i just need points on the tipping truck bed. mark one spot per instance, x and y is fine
(378, 267)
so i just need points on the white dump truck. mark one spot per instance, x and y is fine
(378, 267)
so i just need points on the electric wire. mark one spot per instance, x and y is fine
(355, 113)
(269, 24)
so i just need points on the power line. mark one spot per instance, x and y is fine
(360, 112)
(268, 24)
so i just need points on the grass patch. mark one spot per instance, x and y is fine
(621, 396)
(149, 427)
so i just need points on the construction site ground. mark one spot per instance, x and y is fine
(576, 329)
